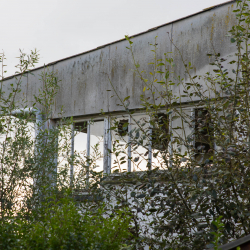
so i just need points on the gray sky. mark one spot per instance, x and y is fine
(61, 28)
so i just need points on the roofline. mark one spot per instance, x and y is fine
(123, 39)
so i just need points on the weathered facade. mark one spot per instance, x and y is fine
(84, 79)
(91, 87)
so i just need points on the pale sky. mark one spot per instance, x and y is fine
(61, 28)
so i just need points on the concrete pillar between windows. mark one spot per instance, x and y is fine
(44, 136)
(129, 144)
(150, 146)
(88, 151)
(107, 147)
(170, 145)
(72, 154)
(193, 130)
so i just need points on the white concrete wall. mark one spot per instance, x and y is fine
(84, 78)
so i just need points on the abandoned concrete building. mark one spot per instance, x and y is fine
(85, 92)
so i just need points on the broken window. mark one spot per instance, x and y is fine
(81, 127)
(160, 140)
(123, 127)
(140, 143)
(126, 143)
(204, 134)
(119, 134)
(160, 132)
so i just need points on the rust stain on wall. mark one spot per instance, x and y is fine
(212, 29)
(227, 20)
(112, 72)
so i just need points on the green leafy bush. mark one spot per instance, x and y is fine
(62, 225)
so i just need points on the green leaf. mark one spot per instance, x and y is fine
(141, 196)
(194, 198)
(175, 117)
(126, 98)
(214, 194)
(195, 177)
(160, 64)
(136, 159)
(152, 210)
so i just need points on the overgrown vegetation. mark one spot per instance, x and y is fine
(194, 192)
(204, 173)
(38, 209)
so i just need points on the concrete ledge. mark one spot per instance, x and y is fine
(243, 243)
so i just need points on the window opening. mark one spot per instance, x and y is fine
(140, 142)
(126, 143)
(87, 145)
(160, 132)
(96, 145)
(79, 150)
(123, 127)
(81, 127)
(120, 140)
(160, 140)
(204, 139)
